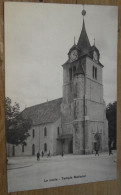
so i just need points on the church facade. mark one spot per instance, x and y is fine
(77, 122)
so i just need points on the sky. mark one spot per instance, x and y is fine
(38, 37)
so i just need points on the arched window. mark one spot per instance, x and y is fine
(93, 72)
(58, 130)
(22, 148)
(33, 133)
(45, 147)
(33, 149)
(45, 131)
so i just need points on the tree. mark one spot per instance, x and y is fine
(111, 116)
(17, 127)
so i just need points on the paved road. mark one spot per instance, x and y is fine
(58, 171)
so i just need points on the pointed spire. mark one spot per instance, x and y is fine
(83, 42)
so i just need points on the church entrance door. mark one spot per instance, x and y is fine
(71, 146)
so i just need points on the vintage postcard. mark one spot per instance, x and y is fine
(60, 88)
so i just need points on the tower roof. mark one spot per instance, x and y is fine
(83, 42)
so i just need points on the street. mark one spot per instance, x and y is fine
(26, 173)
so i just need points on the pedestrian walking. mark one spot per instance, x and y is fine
(48, 154)
(110, 147)
(62, 154)
(38, 156)
(42, 153)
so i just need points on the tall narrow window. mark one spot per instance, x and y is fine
(94, 72)
(22, 148)
(45, 147)
(33, 133)
(45, 131)
(58, 130)
(70, 73)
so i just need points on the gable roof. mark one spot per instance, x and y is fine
(47, 112)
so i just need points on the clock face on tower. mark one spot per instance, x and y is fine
(73, 55)
(95, 56)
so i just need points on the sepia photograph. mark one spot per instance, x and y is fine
(60, 94)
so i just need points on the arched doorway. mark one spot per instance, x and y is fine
(33, 149)
(45, 147)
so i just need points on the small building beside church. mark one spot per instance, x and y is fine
(76, 122)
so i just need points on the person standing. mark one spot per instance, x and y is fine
(62, 154)
(96, 148)
(42, 153)
(38, 156)
(49, 154)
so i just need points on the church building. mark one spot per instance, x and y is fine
(76, 122)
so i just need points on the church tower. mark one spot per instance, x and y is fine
(84, 123)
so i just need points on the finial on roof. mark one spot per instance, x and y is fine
(83, 12)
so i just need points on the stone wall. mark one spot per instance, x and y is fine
(56, 145)
(73, 107)
(95, 108)
(78, 138)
